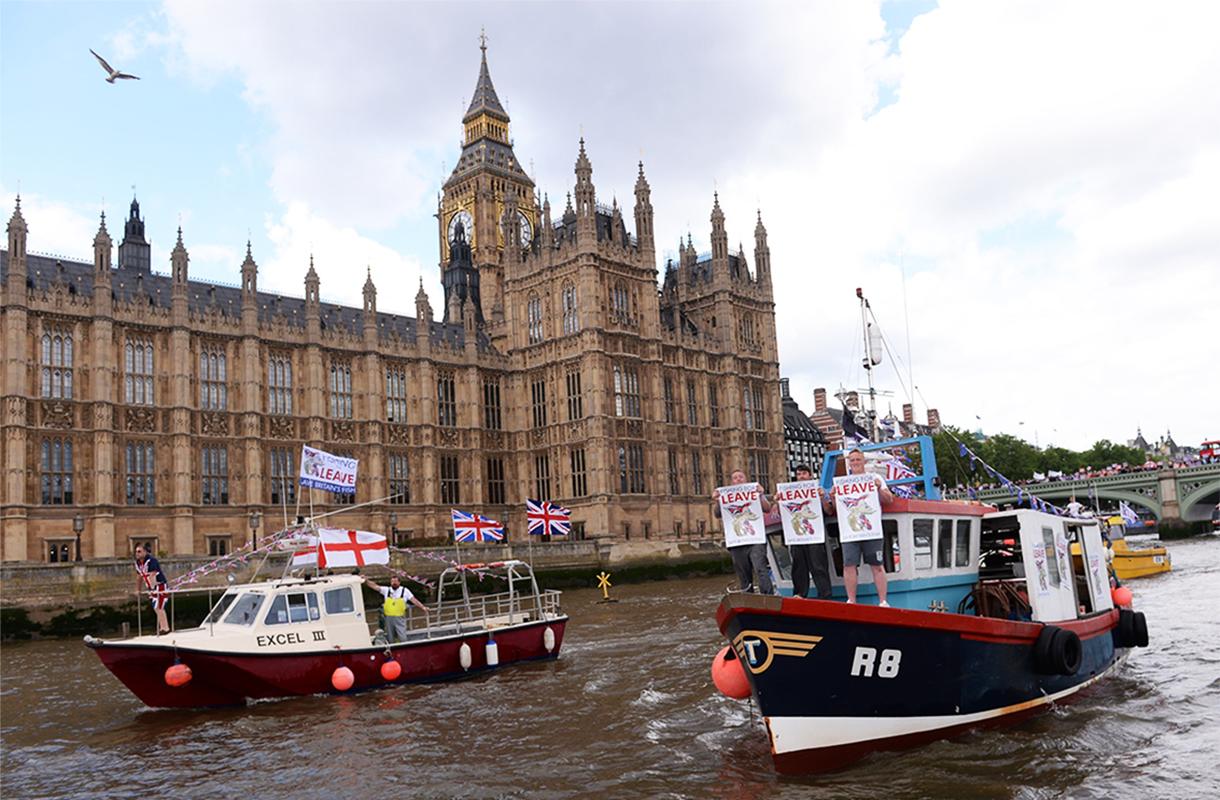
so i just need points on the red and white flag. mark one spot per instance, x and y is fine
(306, 553)
(343, 548)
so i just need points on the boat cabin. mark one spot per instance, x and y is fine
(968, 558)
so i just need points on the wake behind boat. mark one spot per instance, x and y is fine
(310, 635)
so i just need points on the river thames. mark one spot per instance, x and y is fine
(628, 710)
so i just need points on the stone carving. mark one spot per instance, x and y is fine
(342, 431)
(16, 411)
(56, 414)
(214, 423)
(635, 427)
(449, 436)
(103, 416)
(398, 434)
(538, 435)
(281, 428)
(140, 420)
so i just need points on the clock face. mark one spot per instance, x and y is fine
(464, 219)
(527, 230)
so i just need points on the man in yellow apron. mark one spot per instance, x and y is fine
(395, 607)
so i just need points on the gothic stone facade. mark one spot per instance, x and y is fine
(161, 408)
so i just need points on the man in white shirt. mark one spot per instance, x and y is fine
(869, 551)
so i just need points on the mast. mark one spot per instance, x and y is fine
(869, 362)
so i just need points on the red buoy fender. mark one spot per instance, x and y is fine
(342, 679)
(1121, 596)
(390, 670)
(178, 675)
(729, 676)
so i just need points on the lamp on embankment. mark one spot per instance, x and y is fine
(78, 525)
(255, 520)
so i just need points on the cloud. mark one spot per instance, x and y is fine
(1042, 174)
(56, 228)
(341, 257)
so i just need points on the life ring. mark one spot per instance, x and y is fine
(1057, 651)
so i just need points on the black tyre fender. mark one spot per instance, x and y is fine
(1057, 651)
(1068, 652)
(1140, 626)
(1042, 650)
(1124, 634)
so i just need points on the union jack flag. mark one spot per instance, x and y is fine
(547, 518)
(469, 527)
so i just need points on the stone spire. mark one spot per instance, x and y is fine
(485, 100)
(249, 276)
(584, 192)
(762, 253)
(15, 288)
(720, 239)
(101, 250)
(179, 260)
(423, 308)
(643, 216)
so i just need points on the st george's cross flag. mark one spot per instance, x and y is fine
(468, 527)
(341, 548)
(547, 518)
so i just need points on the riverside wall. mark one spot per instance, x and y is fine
(43, 590)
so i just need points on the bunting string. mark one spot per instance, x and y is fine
(1022, 495)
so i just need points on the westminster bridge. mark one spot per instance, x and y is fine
(1170, 493)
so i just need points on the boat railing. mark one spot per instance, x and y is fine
(484, 612)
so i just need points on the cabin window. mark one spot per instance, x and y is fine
(245, 609)
(297, 607)
(944, 545)
(339, 601)
(923, 543)
(1052, 556)
(962, 556)
(221, 606)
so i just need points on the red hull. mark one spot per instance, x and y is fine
(222, 679)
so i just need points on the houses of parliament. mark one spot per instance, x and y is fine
(141, 406)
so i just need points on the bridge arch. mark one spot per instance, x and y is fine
(1197, 502)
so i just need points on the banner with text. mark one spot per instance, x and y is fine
(322, 470)
(800, 509)
(858, 505)
(741, 513)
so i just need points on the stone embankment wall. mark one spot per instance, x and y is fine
(44, 589)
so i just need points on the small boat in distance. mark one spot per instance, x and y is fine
(1130, 561)
(309, 635)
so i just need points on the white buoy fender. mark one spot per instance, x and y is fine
(548, 639)
(493, 653)
(464, 655)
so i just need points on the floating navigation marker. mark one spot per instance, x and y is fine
(603, 583)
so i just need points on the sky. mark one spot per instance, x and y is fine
(1025, 192)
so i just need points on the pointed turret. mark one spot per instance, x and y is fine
(249, 276)
(134, 251)
(584, 192)
(643, 217)
(547, 234)
(485, 102)
(720, 239)
(762, 253)
(423, 308)
(370, 292)
(179, 261)
(15, 287)
(313, 303)
(101, 250)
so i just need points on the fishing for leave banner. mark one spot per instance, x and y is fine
(800, 509)
(741, 513)
(858, 505)
(322, 470)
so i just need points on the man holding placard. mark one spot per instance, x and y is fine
(858, 497)
(800, 510)
(742, 506)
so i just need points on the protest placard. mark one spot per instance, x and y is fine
(741, 513)
(800, 510)
(858, 505)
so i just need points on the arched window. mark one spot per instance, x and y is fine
(279, 385)
(533, 314)
(138, 372)
(56, 365)
(213, 372)
(620, 302)
(340, 391)
(571, 320)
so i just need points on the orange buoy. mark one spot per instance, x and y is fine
(390, 670)
(1121, 596)
(178, 675)
(729, 676)
(342, 679)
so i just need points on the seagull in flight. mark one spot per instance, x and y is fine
(112, 73)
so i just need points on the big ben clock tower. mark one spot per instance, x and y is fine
(472, 206)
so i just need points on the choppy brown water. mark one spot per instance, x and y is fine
(627, 711)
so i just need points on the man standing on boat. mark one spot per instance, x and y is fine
(151, 579)
(395, 607)
(749, 558)
(869, 550)
(809, 558)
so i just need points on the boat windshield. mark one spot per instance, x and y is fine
(245, 609)
(221, 606)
